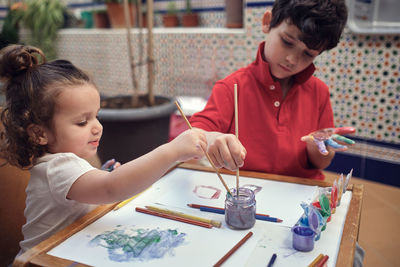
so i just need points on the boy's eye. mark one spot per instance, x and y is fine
(82, 123)
(286, 42)
(308, 54)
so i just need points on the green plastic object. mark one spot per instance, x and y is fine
(325, 206)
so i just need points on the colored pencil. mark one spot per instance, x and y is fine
(316, 260)
(197, 206)
(123, 203)
(323, 261)
(267, 218)
(230, 252)
(205, 152)
(209, 209)
(183, 215)
(272, 260)
(236, 133)
(172, 217)
(263, 217)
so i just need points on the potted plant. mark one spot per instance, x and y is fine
(189, 18)
(135, 124)
(170, 18)
(43, 18)
(234, 13)
(115, 10)
(100, 18)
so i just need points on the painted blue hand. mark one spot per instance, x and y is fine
(109, 165)
(329, 137)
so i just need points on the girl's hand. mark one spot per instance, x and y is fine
(110, 165)
(190, 144)
(226, 151)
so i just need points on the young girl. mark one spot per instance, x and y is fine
(50, 126)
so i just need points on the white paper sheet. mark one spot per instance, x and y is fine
(193, 245)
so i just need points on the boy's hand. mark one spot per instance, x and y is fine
(330, 137)
(190, 144)
(110, 165)
(226, 151)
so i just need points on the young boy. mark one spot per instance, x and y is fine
(279, 100)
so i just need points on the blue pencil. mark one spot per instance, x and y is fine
(258, 216)
(272, 260)
(214, 210)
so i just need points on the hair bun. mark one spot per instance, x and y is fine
(15, 59)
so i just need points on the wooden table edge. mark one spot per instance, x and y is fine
(37, 256)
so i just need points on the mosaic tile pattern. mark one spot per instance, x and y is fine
(362, 72)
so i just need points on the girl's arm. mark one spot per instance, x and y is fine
(99, 187)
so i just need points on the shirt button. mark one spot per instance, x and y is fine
(276, 103)
(272, 87)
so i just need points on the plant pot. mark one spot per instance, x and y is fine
(170, 20)
(190, 20)
(101, 20)
(234, 13)
(116, 14)
(132, 132)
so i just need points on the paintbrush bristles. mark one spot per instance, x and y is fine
(205, 152)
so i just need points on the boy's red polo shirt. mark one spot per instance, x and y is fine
(270, 128)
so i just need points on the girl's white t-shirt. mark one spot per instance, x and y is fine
(47, 208)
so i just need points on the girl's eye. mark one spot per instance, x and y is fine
(82, 123)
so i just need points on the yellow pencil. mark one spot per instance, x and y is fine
(316, 260)
(183, 215)
(123, 203)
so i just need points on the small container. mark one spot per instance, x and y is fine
(303, 238)
(240, 211)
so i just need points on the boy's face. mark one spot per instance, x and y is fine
(284, 52)
(75, 126)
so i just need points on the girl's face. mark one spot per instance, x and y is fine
(285, 53)
(75, 125)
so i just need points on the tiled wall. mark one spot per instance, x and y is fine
(363, 72)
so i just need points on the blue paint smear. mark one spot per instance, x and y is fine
(124, 245)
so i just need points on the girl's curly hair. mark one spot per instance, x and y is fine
(31, 87)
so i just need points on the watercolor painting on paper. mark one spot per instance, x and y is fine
(138, 244)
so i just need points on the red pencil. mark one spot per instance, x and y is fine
(323, 261)
(172, 217)
(197, 206)
(230, 252)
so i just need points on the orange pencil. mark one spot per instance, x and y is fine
(230, 252)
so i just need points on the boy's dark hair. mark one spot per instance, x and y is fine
(31, 87)
(321, 22)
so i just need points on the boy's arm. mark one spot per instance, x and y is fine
(225, 150)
